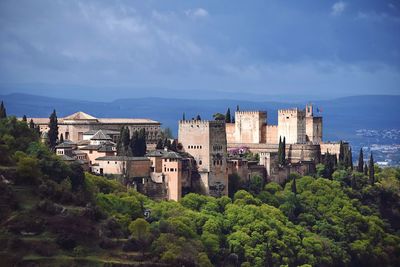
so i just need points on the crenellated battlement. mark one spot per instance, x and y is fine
(289, 111)
(250, 112)
(201, 122)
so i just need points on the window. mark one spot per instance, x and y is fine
(115, 162)
(90, 151)
(200, 162)
(108, 162)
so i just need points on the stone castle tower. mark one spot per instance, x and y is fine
(206, 142)
(313, 126)
(291, 125)
(249, 126)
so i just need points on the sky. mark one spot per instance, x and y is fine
(253, 50)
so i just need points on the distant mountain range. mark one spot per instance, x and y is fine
(342, 116)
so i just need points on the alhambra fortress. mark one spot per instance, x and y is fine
(209, 151)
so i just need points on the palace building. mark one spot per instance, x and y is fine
(80, 126)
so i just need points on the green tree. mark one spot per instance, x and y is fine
(371, 170)
(3, 112)
(159, 144)
(366, 169)
(183, 116)
(256, 184)
(198, 118)
(228, 116)
(280, 151)
(234, 184)
(28, 170)
(284, 151)
(140, 232)
(134, 145)
(219, 117)
(77, 176)
(341, 153)
(360, 167)
(174, 146)
(31, 124)
(53, 130)
(141, 143)
(294, 187)
(24, 119)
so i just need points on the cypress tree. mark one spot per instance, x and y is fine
(119, 142)
(198, 118)
(360, 161)
(341, 153)
(167, 143)
(350, 158)
(228, 116)
(353, 181)
(125, 142)
(371, 170)
(183, 116)
(280, 151)
(233, 119)
(3, 112)
(53, 130)
(31, 124)
(237, 107)
(141, 143)
(284, 151)
(365, 169)
(134, 146)
(174, 146)
(61, 138)
(24, 118)
(294, 187)
(159, 144)
(329, 164)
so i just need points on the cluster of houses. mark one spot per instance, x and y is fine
(210, 152)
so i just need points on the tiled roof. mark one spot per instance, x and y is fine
(100, 135)
(122, 158)
(156, 153)
(106, 148)
(90, 147)
(171, 155)
(92, 132)
(80, 116)
(65, 145)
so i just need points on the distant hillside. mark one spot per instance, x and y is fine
(342, 116)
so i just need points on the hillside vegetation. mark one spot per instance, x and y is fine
(53, 214)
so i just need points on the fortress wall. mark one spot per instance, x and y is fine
(271, 134)
(230, 132)
(303, 152)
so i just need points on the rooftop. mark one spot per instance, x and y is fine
(80, 116)
(121, 158)
(100, 135)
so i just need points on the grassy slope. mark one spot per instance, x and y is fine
(27, 249)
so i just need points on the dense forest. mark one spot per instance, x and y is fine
(54, 214)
